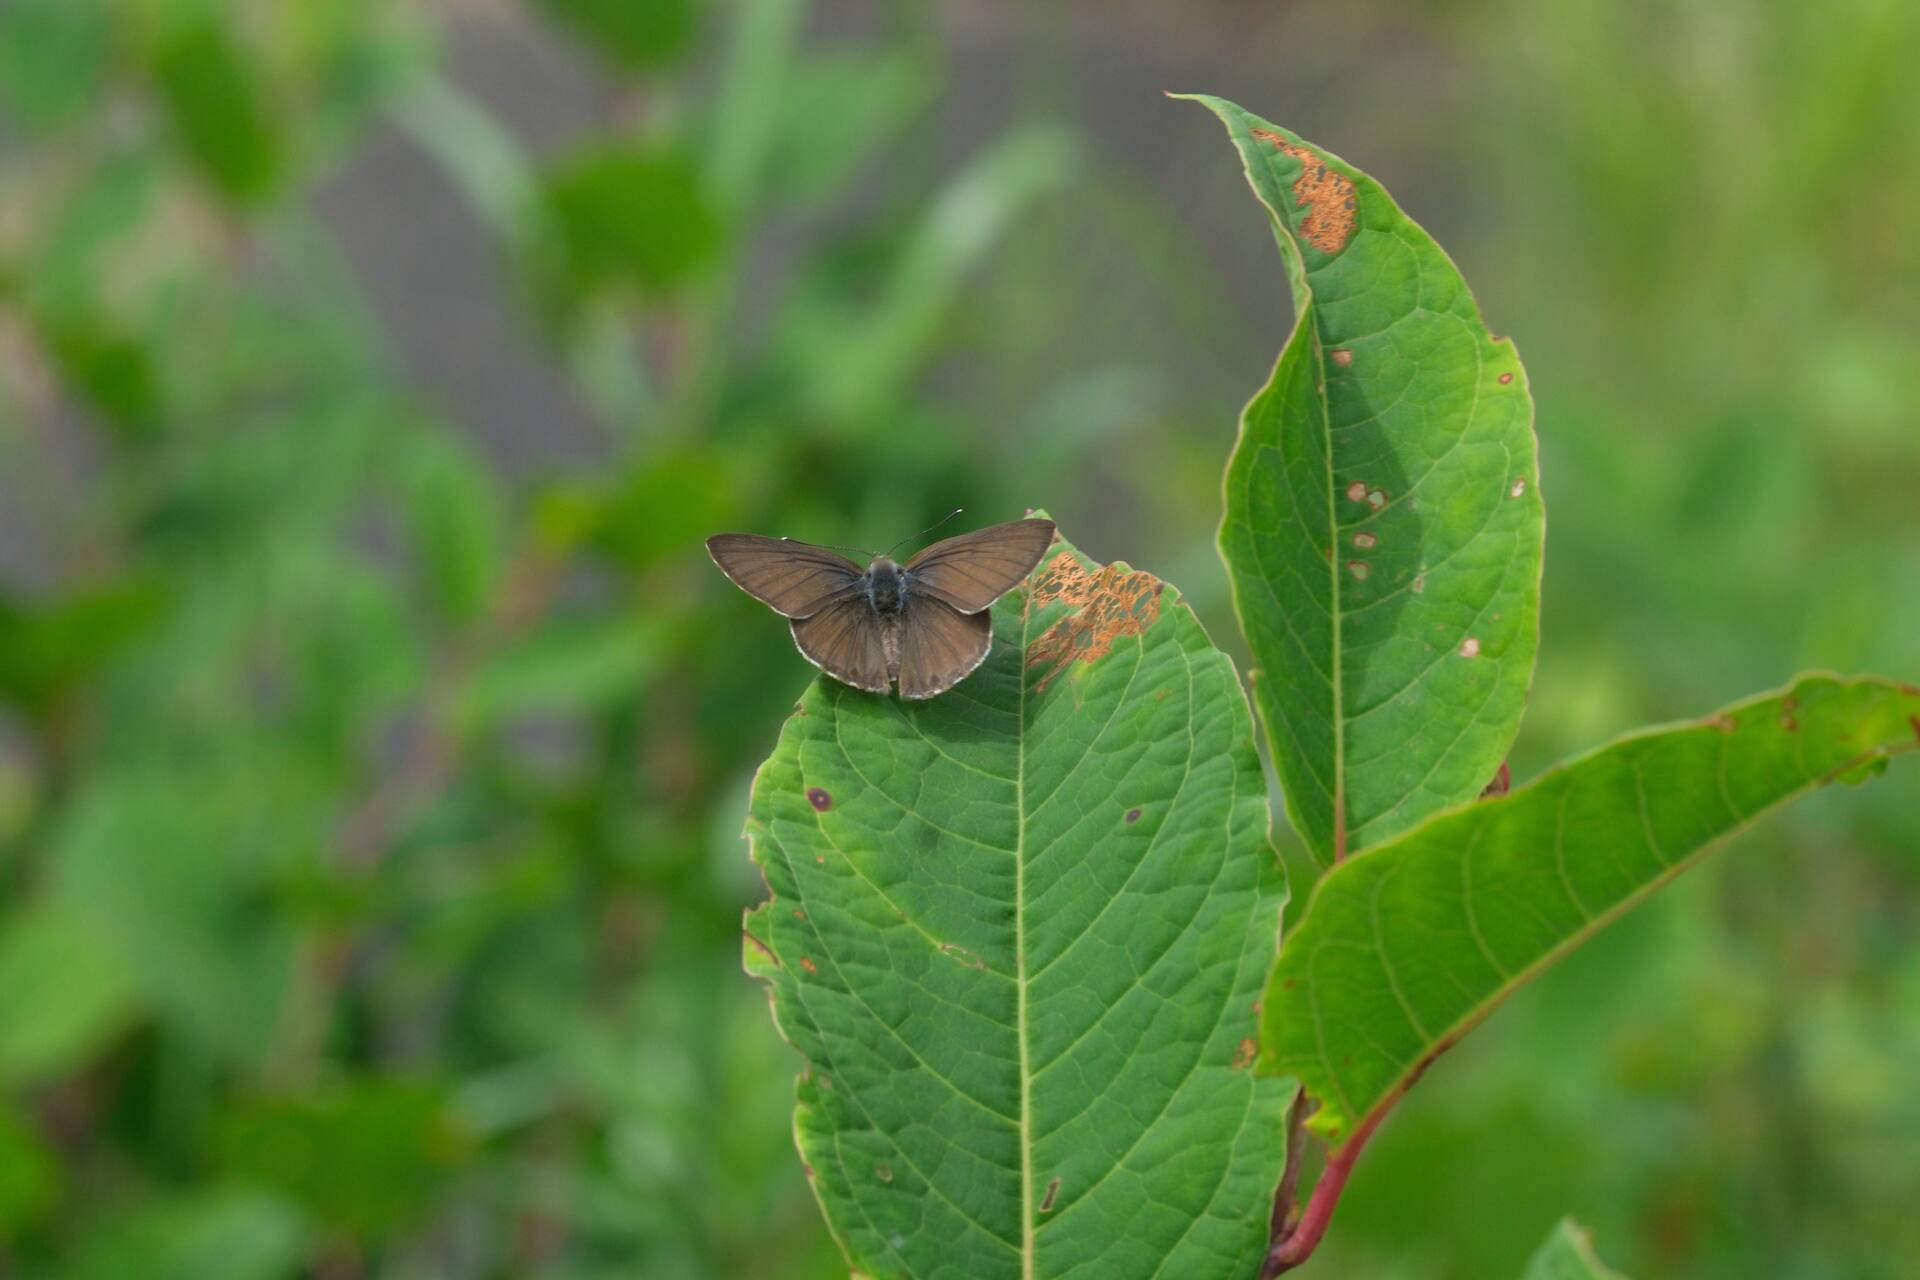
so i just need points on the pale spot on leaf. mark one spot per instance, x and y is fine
(1470, 647)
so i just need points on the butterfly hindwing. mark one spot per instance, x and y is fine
(940, 646)
(845, 640)
(973, 570)
(794, 579)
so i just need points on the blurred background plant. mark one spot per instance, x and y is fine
(374, 737)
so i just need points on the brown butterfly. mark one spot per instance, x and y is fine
(924, 623)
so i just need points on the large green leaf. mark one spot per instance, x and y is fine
(1017, 932)
(1404, 949)
(1568, 1255)
(1383, 522)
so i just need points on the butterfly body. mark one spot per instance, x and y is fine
(924, 624)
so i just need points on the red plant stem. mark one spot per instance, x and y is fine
(1299, 1244)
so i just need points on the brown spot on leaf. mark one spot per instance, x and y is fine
(1342, 357)
(1470, 647)
(1356, 492)
(764, 950)
(807, 964)
(1791, 702)
(1366, 541)
(1505, 378)
(1289, 984)
(1915, 722)
(1377, 499)
(1133, 815)
(1053, 1192)
(1359, 569)
(1788, 723)
(820, 858)
(799, 914)
(1419, 584)
(819, 798)
(1501, 784)
(1724, 723)
(1518, 487)
(1327, 196)
(883, 1172)
(1243, 1057)
(1106, 604)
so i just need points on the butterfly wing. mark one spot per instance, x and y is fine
(792, 578)
(845, 640)
(940, 646)
(974, 569)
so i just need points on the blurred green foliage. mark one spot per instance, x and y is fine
(369, 863)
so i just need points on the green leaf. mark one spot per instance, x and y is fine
(61, 993)
(1568, 1255)
(366, 1157)
(113, 371)
(1017, 931)
(218, 110)
(1405, 949)
(49, 648)
(624, 217)
(456, 513)
(1383, 524)
(631, 34)
(840, 107)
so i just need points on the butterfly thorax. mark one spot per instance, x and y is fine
(886, 586)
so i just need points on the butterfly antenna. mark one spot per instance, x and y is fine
(924, 532)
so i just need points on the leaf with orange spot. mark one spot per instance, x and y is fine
(1021, 927)
(1383, 524)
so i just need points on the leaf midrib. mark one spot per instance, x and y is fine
(1020, 951)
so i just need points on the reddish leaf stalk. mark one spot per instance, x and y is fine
(1298, 1244)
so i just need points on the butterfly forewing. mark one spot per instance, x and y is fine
(940, 646)
(974, 569)
(793, 578)
(844, 640)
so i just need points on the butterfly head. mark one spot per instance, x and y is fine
(886, 585)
